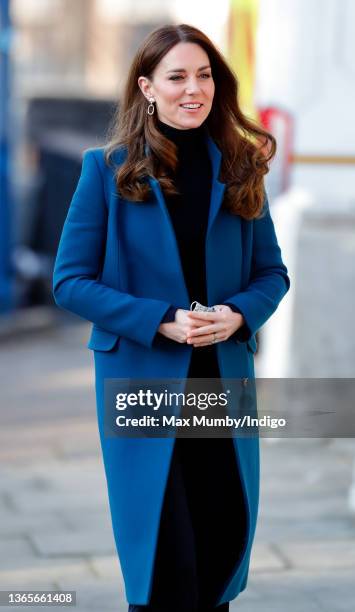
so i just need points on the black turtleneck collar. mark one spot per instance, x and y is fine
(181, 137)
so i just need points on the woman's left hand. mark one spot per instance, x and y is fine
(223, 323)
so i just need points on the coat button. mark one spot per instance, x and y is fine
(245, 381)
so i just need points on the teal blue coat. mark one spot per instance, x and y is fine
(118, 266)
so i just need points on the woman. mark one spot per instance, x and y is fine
(173, 210)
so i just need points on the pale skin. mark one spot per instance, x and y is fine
(197, 328)
(184, 76)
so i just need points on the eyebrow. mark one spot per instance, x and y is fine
(183, 69)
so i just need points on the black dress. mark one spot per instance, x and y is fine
(203, 516)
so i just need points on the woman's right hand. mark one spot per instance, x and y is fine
(179, 329)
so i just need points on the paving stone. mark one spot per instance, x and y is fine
(79, 443)
(69, 481)
(62, 471)
(316, 554)
(24, 583)
(55, 469)
(28, 502)
(32, 571)
(107, 566)
(25, 524)
(264, 557)
(78, 543)
(105, 595)
(305, 585)
(276, 604)
(6, 508)
(86, 518)
(279, 506)
(282, 528)
(15, 550)
(22, 455)
(337, 593)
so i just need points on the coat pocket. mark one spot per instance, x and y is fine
(102, 340)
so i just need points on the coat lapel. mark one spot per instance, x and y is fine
(175, 260)
(217, 187)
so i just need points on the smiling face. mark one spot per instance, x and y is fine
(182, 77)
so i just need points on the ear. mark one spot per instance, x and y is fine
(145, 86)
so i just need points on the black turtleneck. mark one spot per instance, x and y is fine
(189, 212)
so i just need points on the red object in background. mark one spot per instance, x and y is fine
(280, 124)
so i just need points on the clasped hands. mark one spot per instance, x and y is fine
(202, 328)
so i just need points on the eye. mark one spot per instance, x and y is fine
(204, 75)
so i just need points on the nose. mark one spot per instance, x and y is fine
(192, 86)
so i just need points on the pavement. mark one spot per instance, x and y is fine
(55, 530)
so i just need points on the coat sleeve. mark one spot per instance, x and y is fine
(243, 333)
(76, 277)
(269, 280)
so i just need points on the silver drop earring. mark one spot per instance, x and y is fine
(150, 109)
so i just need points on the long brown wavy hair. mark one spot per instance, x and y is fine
(246, 147)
